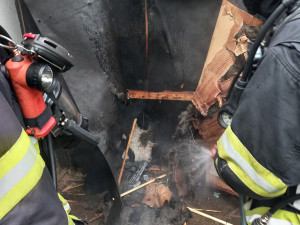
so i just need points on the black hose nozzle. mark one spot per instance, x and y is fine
(263, 220)
(71, 126)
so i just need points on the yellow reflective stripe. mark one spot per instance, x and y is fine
(64, 203)
(262, 171)
(75, 218)
(15, 154)
(70, 220)
(281, 217)
(67, 209)
(240, 165)
(22, 184)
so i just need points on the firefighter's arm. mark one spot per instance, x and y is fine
(258, 154)
(242, 172)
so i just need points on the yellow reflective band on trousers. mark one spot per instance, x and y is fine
(21, 169)
(68, 209)
(280, 217)
(256, 177)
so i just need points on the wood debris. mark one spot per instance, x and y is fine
(95, 218)
(164, 95)
(208, 216)
(209, 210)
(223, 49)
(142, 185)
(126, 151)
(69, 187)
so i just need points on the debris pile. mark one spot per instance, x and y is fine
(161, 193)
(92, 208)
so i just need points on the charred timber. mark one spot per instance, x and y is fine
(164, 95)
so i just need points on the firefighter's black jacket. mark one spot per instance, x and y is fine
(259, 154)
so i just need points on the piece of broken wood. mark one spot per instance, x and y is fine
(147, 29)
(163, 95)
(126, 151)
(69, 187)
(209, 210)
(142, 185)
(95, 218)
(156, 195)
(156, 168)
(208, 216)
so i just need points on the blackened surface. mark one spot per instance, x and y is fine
(27, 23)
(75, 25)
(179, 37)
(75, 153)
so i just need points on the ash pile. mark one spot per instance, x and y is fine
(159, 201)
(158, 179)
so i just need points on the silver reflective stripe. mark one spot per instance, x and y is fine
(296, 204)
(17, 173)
(67, 207)
(272, 221)
(243, 164)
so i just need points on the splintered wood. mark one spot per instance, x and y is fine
(209, 129)
(228, 42)
(225, 58)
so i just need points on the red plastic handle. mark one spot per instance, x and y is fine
(39, 133)
(29, 36)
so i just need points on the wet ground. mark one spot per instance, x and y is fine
(95, 208)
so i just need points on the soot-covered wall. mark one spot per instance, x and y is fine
(108, 41)
(179, 33)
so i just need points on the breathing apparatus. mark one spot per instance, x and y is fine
(228, 109)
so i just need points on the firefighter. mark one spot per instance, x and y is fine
(258, 155)
(27, 193)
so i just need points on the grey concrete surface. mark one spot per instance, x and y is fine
(9, 19)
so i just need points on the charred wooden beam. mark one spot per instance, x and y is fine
(164, 95)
